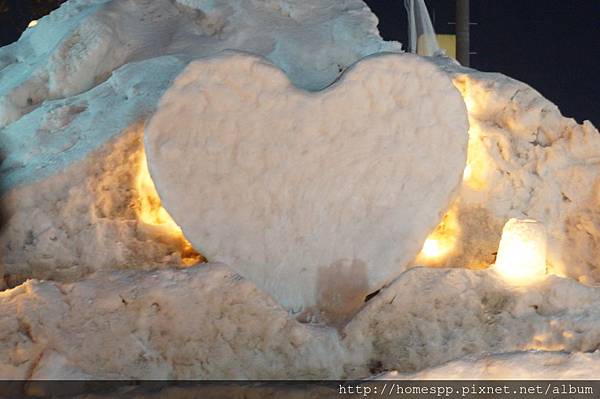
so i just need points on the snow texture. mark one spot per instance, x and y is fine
(431, 316)
(75, 92)
(76, 89)
(531, 365)
(81, 45)
(98, 213)
(203, 322)
(318, 197)
(526, 161)
(210, 323)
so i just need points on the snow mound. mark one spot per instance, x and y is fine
(318, 197)
(446, 314)
(99, 213)
(75, 91)
(196, 323)
(83, 42)
(61, 132)
(525, 160)
(235, 331)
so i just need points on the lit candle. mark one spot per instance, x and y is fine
(522, 252)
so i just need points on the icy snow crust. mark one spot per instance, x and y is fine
(72, 200)
(318, 197)
(60, 132)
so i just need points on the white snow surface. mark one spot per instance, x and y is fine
(527, 161)
(79, 46)
(530, 365)
(76, 89)
(210, 323)
(101, 212)
(75, 92)
(318, 197)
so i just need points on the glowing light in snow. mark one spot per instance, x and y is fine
(522, 252)
(433, 248)
(440, 244)
(152, 214)
(32, 23)
(476, 174)
(468, 173)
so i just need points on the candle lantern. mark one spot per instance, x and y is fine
(522, 252)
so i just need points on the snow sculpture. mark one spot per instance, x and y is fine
(318, 197)
(76, 89)
(76, 198)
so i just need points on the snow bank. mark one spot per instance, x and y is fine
(525, 160)
(533, 365)
(446, 314)
(80, 44)
(76, 89)
(319, 197)
(98, 213)
(196, 323)
(211, 323)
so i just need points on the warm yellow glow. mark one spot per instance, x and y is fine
(461, 82)
(568, 334)
(442, 242)
(476, 175)
(545, 342)
(468, 173)
(476, 170)
(152, 213)
(32, 23)
(433, 248)
(522, 252)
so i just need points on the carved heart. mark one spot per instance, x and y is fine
(318, 197)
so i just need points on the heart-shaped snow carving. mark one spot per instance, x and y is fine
(318, 197)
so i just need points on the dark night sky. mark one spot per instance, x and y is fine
(553, 45)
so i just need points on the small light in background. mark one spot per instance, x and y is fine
(522, 252)
(32, 23)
